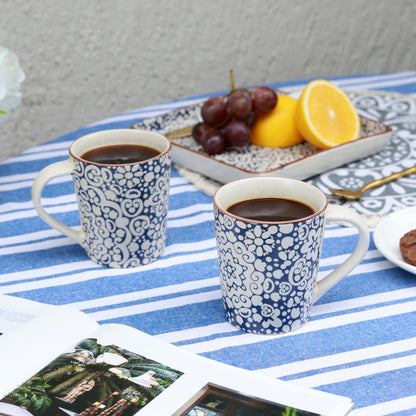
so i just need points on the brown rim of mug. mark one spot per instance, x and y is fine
(236, 217)
(80, 159)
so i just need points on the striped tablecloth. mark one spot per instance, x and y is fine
(360, 341)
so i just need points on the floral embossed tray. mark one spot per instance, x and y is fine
(300, 162)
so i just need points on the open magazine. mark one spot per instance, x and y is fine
(58, 361)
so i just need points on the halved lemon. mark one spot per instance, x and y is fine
(325, 115)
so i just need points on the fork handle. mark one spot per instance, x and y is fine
(182, 132)
(388, 179)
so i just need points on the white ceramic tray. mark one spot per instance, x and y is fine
(388, 233)
(300, 162)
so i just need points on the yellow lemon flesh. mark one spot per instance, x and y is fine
(325, 116)
(277, 128)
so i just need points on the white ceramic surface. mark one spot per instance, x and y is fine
(12, 410)
(388, 232)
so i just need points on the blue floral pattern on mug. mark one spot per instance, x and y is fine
(128, 206)
(268, 271)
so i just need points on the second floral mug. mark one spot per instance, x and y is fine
(268, 269)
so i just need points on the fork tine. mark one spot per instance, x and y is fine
(344, 193)
(337, 192)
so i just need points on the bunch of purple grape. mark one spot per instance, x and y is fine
(226, 120)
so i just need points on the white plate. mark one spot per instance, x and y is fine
(299, 162)
(388, 232)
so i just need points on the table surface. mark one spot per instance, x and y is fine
(361, 339)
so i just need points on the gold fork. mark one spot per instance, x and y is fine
(176, 134)
(344, 193)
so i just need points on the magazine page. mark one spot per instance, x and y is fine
(30, 347)
(215, 382)
(15, 312)
(117, 370)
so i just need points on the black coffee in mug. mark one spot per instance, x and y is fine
(271, 209)
(120, 154)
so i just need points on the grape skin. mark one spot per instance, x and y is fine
(214, 111)
(237, 133)
(213, 142)
(251, 119)
(198, 129)
(264, 99)
(239, 104)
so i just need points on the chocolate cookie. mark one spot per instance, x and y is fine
(408, 247)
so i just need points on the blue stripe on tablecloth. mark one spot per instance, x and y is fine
(297, 346)
(54, 254)
(315, 377)
(125, 312)
(203, 226)
(383, 389)
(178, 298)
(382, 280)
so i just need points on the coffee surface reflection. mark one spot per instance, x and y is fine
(270, 209)
(120, 154)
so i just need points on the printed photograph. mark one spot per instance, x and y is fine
(218, 401)
(93, 379)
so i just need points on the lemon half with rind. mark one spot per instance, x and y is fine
(325, 115)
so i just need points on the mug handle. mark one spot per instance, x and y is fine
(54, 170)
(344, 214)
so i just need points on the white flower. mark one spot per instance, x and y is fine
(11, 76)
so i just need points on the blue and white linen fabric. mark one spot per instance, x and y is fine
(361, 339)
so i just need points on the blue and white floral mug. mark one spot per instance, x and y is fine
(123, 205)
(268, 269)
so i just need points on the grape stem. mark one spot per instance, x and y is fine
(232, 80)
